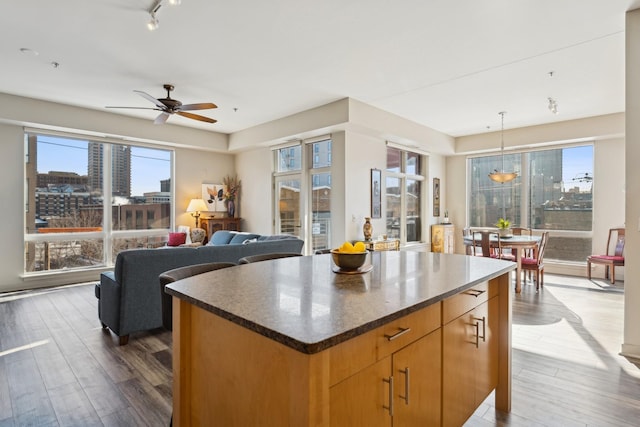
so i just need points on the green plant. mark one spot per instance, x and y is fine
(503, 223)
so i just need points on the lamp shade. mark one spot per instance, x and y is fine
(197, 205)
(503, 176)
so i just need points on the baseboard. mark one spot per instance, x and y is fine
(631, 351)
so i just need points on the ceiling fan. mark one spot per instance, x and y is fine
(169, 106)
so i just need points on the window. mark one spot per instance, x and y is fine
(87, 200)
(303, 190)
(553, 192)
(403, 189)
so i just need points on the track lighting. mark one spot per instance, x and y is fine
(153, 23)
(553, 105)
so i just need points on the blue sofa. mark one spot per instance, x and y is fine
(129, 297)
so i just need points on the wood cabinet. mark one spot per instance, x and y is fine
(403, 388)
(443, 238)
(211, 225)
(431, 367)
(469, 352)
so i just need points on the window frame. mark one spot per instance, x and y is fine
(525, 193)
(403, 176)
(108, 234)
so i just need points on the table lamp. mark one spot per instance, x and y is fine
(195, 207)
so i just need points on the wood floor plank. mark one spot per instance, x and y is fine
(58, 367)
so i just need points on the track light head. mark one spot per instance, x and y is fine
(153, 23)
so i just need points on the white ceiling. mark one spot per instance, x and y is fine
(451, 65)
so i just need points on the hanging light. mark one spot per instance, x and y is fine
(502, 176)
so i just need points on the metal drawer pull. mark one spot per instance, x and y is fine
(484, 330)
(401, 332)
(390, 407)
(474, 292)
(406, 385)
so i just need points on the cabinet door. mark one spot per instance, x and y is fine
(360, 400)
(487, 351)
(437, 238)
(458, 370)
(417, 382)
(470, 361)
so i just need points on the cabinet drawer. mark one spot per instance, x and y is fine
(355, 354)
(455, 306)
(397, 334)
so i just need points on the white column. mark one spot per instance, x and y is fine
(631, 344)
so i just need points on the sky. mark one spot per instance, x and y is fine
(148, 166)
(577, 161)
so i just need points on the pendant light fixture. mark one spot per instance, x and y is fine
(502, 176)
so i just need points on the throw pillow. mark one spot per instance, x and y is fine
(177, 239)
(221, 237)
(239, 238)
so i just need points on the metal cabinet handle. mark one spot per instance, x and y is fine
(390, 407)
(406, 385)
(484, 329)
(401, 332)
(474, 292)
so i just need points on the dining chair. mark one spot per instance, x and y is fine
(466, 234)
(524, 231)
(610, 261)
(482, 245)
(536, 263)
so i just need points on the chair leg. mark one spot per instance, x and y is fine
(589, 269)
(613, 274)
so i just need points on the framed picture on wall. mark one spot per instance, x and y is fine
(376, 193)
(213, 195)
(436, 196)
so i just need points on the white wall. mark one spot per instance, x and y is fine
(256, 202)
(631, 345)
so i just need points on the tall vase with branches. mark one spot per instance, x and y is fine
(232, 191)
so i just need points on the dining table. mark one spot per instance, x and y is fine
(517, 244)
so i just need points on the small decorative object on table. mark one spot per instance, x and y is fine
(445, 220)
(232, 191)
(504, 227)
(367, 228)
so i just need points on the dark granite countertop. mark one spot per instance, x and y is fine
(300, 302)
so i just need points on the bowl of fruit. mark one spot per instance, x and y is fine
(349, 257)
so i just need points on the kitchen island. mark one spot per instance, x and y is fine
(421, 339)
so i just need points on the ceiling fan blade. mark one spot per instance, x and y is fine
(161, 119)
(137, 108)
(196, 117)
(150, 98)
(201, 106)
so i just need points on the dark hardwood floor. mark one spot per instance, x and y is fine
(59, 368)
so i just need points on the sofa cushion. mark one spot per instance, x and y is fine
(177, 239)
(221, 237)
(241, 238)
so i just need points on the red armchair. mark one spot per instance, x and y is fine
(610, 260)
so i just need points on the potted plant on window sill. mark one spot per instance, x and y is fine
(504, 227)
